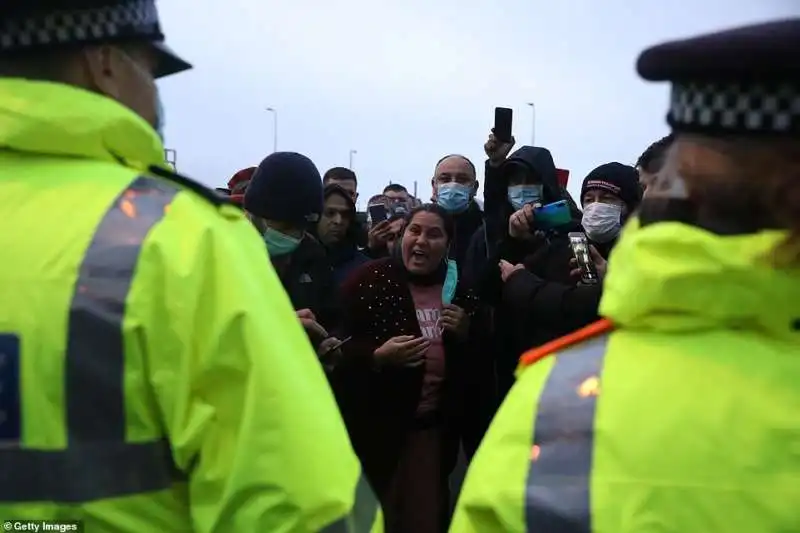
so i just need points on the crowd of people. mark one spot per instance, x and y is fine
(264, 357)
(420, 317)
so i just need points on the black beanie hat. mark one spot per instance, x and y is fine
(286, 187)
(618, 179)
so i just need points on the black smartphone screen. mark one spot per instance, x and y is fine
(503, 118)
(377, 213)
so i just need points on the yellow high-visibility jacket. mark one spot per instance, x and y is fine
(153, 374)
(684, 416)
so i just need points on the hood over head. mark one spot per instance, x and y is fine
(238, 184)
(539, 162)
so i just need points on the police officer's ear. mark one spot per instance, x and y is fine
(121, 72)
(103, 70)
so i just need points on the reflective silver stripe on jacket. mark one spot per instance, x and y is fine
(362, 517)
(97, 462)
(557, 498)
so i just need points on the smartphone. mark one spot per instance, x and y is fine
(398, 209)
(377, 213)
(503, 118)
(552, 215)
(335, 347)
(580, 249)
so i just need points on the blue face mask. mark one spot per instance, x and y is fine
(454, 197)
(279, 243)
(450, 282)
(521, 195)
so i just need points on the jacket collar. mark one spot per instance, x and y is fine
(676, 277)
(62, 120)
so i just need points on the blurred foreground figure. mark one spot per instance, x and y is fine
(680, 411)
(153, 374)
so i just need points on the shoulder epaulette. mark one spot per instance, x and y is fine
(187, 183)
(594, 329)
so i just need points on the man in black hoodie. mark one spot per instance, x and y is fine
(525, 178)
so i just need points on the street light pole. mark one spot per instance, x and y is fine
(274, 128)
(352, 153)
(533, 123)
(171, 157)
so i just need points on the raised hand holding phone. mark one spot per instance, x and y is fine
(377, 213)
(501, 140)
(503, 124)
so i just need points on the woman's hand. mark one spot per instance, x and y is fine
(455, 321)
(402, 351)
(506, 269)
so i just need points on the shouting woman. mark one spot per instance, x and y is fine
(401, 385)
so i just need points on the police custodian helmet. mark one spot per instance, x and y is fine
(28, 25)
(744, 81)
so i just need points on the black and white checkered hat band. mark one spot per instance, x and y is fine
(135, 18)
(743, 108)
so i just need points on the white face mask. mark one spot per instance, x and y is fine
(602, 222)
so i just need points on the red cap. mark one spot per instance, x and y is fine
(238, 184)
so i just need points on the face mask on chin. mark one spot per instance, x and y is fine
(278, 243)
(450, 281)
(454, 197)
(602, 222)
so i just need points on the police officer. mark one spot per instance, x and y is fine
(152, 376)
(679, 411)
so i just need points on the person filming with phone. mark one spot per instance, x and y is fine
(528, 217)
(608, 195)
(678, 412)
(384, 226)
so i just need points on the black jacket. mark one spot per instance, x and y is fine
(307, 278)
(466, 224)
(539, 304)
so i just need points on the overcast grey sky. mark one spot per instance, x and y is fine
(405, 82)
